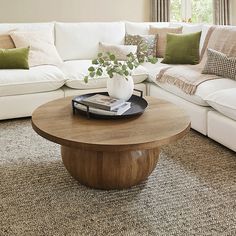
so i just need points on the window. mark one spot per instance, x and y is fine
(196, 11)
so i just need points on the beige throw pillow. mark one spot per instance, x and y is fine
(42, 48)
(162, 34)
(6, 41)
(120, 51)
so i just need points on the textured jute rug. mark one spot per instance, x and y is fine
(191, 192)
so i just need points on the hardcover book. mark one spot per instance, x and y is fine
(116, 112)
(103, 102)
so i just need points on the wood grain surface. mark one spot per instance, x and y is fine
(110, 154)
(161, 123)
(109, 170)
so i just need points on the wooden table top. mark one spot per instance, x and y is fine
(161, 123)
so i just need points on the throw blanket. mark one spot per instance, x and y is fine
(189, 77)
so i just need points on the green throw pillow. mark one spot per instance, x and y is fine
(182, 49)
(16, 58)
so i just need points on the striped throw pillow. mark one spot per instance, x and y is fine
(220, 64)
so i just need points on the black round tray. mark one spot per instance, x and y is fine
(138, 106)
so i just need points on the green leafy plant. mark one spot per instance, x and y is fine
(108, 63)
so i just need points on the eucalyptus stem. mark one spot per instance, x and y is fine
(108, 63)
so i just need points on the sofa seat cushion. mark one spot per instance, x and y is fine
(35, 80)
(77, 69)
(154, 69)
(202, 91)
(224, 101)
(196, 99)
(153, 72)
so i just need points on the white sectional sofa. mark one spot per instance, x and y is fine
(21, 91)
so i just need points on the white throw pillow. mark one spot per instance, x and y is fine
(224, 101)
(120, 51)
(42, 48)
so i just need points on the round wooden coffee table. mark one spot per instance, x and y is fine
(110, 154)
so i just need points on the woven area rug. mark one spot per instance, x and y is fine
(191, 192)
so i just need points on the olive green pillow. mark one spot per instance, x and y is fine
(16, 58)
(182, 49)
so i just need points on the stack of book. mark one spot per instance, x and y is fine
(104, 105)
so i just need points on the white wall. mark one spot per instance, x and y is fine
(79, 10)
(74, 10)
(233, 12)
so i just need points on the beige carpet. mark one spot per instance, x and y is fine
(191, 192)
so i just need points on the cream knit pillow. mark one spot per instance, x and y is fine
(42, 48)
(120, 51)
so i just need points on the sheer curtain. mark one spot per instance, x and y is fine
(160, 10)
(221, 12)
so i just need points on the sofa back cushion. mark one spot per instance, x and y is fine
(187, 27)
(81, 40)
(142, 28)
(27, 27)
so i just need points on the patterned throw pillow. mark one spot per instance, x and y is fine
(146, 44)
(120, 51)
(162, 35)
(220, 64)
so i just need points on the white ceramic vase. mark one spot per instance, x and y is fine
(120, 88)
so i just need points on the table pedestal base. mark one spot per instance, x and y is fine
(109, 170)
